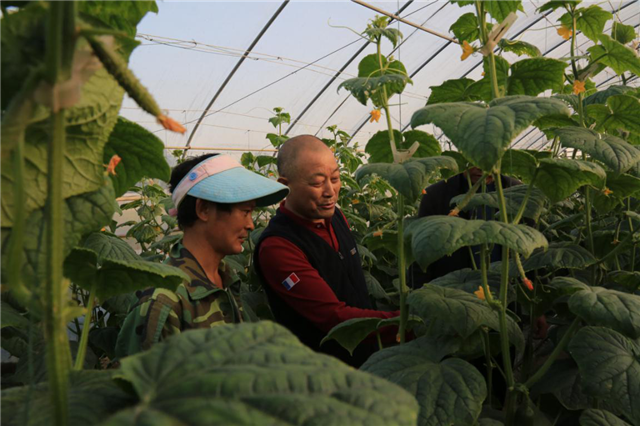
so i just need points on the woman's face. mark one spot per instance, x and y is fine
(227, 230)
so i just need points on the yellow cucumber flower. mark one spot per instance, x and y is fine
(565, 32)
(578, 87)
(375, 115)
(467, 50)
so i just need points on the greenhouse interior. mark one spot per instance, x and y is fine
(300, 212)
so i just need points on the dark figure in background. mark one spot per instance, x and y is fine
(308, 260)
(437, 201)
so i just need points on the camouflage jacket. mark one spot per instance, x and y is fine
(161, 313)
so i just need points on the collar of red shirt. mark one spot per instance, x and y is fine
(304, 222)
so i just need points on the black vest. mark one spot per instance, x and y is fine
(341, 270)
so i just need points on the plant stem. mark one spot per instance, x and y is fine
(404, 311)
(380, 346)
(574, 68)
(633, 252)
(487, 353)
(523, 206)
(86, 327)
(504, 335)
(587, 212)
(59, 57)
(556, 352)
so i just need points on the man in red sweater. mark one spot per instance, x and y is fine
(307, 258)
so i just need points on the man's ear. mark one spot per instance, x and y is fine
(283, 180)
(203, 208)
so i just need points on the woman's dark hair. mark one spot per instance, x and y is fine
(187, 209)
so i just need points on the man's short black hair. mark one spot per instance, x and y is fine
(187, 209)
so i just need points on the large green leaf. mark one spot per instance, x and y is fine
(449, 311)
(555, 4)
(142, 154)
(623, 33)
(252, 374)
(621, 187)
(559, 255)
(616, 55)
(519, 47)
(559, 177)
(10, 317)
(411, 177)
(535, 75)
(450, 91)
(609, 367)
(514, 197)
(614, 152)
(436, 236)
(120, 16)
(114, 272)
(371, 81)
(469, 280)
(602, 96)
(563, 381)
(88, 125)
(466, 28)
(592, 417)
(621, 112)
(82, 214)
(591, 21)
(351, 332)
(93, 395)
(379, 147)
(449, 392)
(482, 89)
(519, 163)
(499, 9)
(483, 134)
(610, 308)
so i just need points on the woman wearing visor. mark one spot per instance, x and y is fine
(214, 198)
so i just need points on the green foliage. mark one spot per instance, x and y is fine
(519, 48)
(436, 236)
(142, 154)
(88, 124)
(449, 391)
(609, 308)
(450, 91)
(379, 148)
(534, 76)
(82, 214)
(378, 28)
(114, 268)
(622, 33)
(615, 55)
(514, 197)
(553, 5)
(614, 152)
(466, 28)
(559, 178)
(409, 178)
(481, 133)
(591, 20)
(614, 378)
(499, 9)
(559, 255)
(620, 113)
(234, 374)
(375, 77)
(93, 396)
(592, 417)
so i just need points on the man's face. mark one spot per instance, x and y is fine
(228, 230)
(314, 185)
(475, 173)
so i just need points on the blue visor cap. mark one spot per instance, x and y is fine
(238, 185)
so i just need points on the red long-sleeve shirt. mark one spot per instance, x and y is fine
(311, 297)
